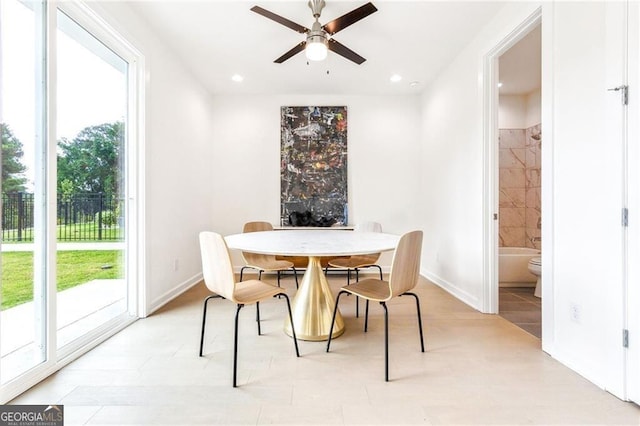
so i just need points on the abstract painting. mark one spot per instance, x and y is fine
(313, 167)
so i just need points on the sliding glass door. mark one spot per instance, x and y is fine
(68, 113)
(91, 181)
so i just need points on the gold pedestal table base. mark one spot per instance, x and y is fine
(312, 306)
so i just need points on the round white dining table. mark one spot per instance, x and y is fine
(312, 306)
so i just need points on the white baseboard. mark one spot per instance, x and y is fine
(452, 289)
(173, 293)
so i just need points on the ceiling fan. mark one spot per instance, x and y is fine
(319, 38)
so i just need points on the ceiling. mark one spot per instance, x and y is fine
(520, 69)
(217, 39)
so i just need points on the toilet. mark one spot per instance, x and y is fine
(535, 267)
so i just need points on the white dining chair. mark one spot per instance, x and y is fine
(217, 271)
(405, 272)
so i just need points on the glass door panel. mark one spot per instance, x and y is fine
(22, 283)
(91, 112)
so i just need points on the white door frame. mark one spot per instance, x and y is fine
(490, 172)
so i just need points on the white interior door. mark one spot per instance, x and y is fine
(617, 133)
(632, 374)
(623, 111)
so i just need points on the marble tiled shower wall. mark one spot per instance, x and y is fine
(519, 158)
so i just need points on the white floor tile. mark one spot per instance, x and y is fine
(477, 369)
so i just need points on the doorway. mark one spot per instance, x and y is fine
(519, 184)
(524, 94)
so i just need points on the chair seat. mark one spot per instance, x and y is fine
(372, 289)
(356, 261)
(271, 265)
(252, 291)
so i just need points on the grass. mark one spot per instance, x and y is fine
(74, 267)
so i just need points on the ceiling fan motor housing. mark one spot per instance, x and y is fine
(316, 7)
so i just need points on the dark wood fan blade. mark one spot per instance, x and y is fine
(352, 17)
(343, 50)
(279, 19)
(297, 49)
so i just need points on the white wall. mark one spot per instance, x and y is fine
(453, 163)
(533, 102)
(512, 112)
(383, 159)
(178, 126)
(519, 111)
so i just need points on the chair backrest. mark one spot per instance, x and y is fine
(217, 269)
(368, 227)
(257, 226)
(256, 259)
(405, 267)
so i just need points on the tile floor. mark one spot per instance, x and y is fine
(519, 306)
(478, 369)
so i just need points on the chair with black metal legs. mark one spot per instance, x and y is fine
(357, 262)
(218, 277)
(405, 272)
(264, 262)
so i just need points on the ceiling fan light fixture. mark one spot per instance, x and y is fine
(316, 49)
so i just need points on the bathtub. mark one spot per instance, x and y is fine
(513, 268)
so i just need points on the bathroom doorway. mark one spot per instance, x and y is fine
(519, 185)
(492, 76)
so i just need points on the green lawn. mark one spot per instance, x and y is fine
(74, 268)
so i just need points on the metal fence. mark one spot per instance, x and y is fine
(84, 217)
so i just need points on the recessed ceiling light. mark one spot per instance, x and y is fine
(237, 78)
(414, 84)
(395, 78)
